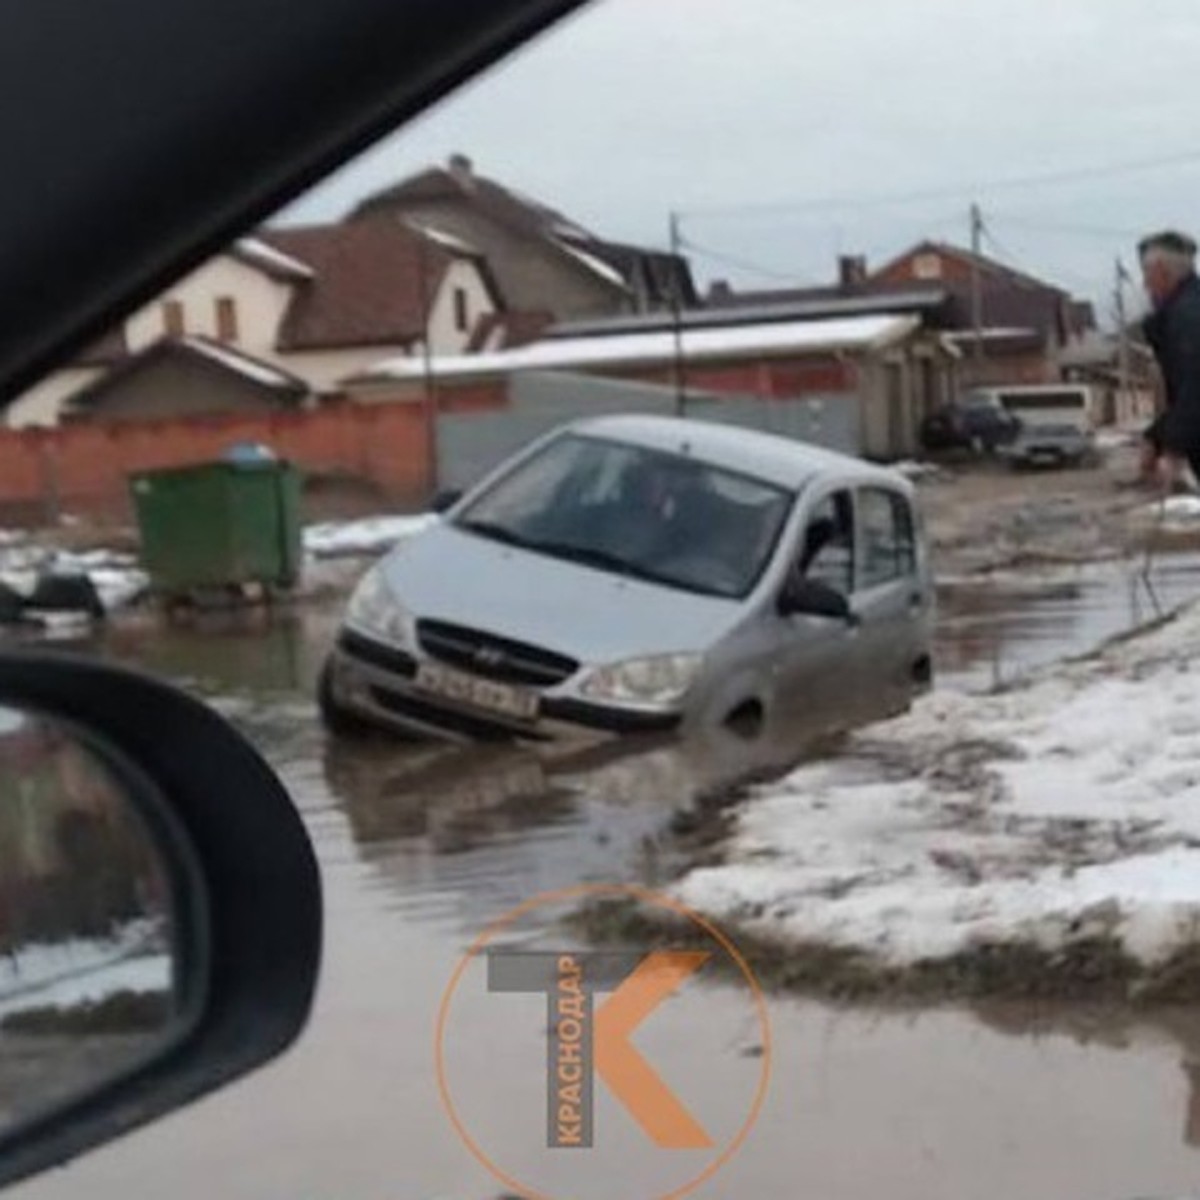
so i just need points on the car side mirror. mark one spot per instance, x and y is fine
(805, 597)
(161, 927)
(446, 500)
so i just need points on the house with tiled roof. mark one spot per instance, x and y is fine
(542, 260)
(308, 305)
(1026, 323)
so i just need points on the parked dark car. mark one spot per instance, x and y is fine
(977, 423)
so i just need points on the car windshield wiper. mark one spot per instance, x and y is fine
(606, 560)
(591, 556)
(494, 532)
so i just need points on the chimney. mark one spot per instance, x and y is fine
(462, 170)
(852, 271)
(719, 292)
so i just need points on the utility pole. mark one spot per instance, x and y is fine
(977, 279)
(1123, 381)
(431, 400)
(677, 321)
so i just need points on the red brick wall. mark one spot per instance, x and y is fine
(770, 377)
(903, 270)
(87, 463)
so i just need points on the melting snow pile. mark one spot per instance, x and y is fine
(118, 579)
(1177, 512)
(917, 471)
(84, 971)
(373, 535)
(1066, 808)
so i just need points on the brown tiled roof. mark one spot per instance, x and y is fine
(372, 283)
(520, 213)
(988, 266)
(530, 218)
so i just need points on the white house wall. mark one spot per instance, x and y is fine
(41, 405)
(261, 304)
(445, 336)
(324, 370)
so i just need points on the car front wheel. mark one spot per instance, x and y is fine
(337, 719)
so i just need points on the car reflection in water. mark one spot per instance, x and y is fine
(499, 824)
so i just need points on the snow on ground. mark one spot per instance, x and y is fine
(1113, 438)
(917, 471)
(80, 971)
(372, 535)
(117, 577)
(1176, 512)
(1067, 807)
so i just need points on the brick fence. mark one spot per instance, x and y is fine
(83, 467)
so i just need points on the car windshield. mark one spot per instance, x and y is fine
(635, 511)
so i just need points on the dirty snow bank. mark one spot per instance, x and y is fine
(1175, 513)
(919, 471)
(372, 535)
(1067, 808)
(117, 577)
(83, 971)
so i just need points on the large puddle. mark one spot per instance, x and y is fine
(422, 847)
(993, 630)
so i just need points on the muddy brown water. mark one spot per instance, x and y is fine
(421, 847)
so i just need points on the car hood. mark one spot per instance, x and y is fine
(576, 610)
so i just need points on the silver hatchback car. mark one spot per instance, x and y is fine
(640, 573)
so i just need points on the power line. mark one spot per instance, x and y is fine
(1046, 179)
(1097, 231)
(741, 264)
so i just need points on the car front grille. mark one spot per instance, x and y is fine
(386, 658)
(493, 657)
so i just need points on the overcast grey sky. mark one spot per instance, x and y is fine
(637, 107)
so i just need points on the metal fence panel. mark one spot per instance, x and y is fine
(471, 444)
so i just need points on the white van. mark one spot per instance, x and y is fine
(1047, 404)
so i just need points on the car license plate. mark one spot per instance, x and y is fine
(517, 703)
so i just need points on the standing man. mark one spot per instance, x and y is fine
(1172, 441)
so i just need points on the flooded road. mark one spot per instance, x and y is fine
(994, 629)
(422, 847)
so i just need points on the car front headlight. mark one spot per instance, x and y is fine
(374, 609)
(657, 682)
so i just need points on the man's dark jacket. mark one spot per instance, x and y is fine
(1173, 331)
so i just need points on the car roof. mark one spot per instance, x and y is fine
(782, 461)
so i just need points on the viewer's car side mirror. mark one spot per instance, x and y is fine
(806, 597)
(444, 501)
(160, 931)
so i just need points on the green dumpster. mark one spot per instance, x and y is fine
(220, 525)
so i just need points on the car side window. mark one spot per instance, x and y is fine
(888, 537)
(827, 550)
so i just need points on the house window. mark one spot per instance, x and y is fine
(462, 310)
(173, 319)
(227, 319)
(927, 266)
